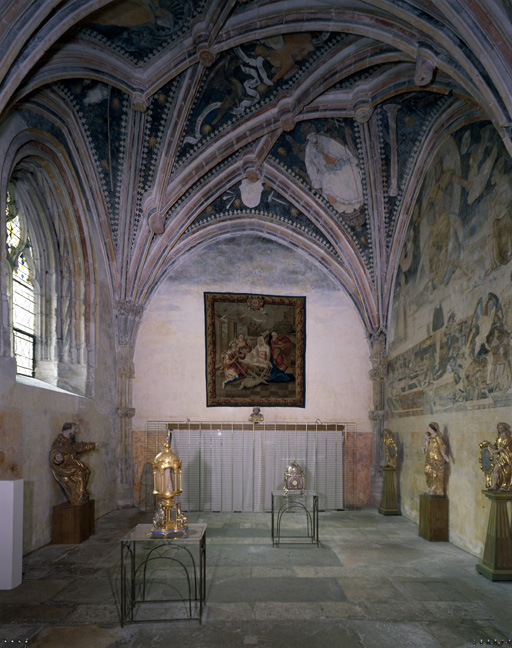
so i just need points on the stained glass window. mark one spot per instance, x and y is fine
(23, 299)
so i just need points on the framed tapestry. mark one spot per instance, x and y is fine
(255, 350)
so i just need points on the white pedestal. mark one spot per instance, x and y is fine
(11, 533)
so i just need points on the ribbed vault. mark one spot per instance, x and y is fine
(179, 123)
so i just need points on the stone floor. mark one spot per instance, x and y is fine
(372, 583)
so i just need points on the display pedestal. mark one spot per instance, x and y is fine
(497, 560)
(11, 533)
(388, 500)
(433, 518)
(72, 524)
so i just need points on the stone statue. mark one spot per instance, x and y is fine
(434, 450)
(66, 466)
(496, 459)
(389, 448)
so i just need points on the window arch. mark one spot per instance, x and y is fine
(19, 256)
(49, 279)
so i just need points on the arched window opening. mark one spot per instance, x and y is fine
(19, 254)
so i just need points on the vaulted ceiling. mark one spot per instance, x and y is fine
(311, 123)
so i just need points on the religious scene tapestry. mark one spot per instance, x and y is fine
(451, 328)
(255, 350)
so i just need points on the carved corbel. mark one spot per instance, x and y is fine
(202, 45)
(156, 222)
(425, 66)
(285, 110)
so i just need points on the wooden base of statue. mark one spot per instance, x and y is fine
(72, 524)
(433, 518)
(388, 500)
(497, 559)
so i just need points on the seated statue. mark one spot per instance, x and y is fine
(68, 470)
(496, 459)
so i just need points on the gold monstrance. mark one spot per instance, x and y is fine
(167, 486)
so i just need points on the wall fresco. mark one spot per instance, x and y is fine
(451, 319)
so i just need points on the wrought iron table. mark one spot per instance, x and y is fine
(142, 551)
(306, 503)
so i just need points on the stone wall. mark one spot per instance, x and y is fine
(32, 414)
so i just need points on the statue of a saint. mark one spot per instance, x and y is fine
(389, 448)
(434, 450)
(66, 466)
(499, 470)
(256, 416)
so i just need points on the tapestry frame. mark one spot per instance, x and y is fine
(281, 322)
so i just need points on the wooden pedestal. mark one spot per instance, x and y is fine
(72, 524)
(433, 518)
(497, 560)
(388, 500)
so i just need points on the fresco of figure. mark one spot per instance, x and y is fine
(434, 450)
(334, 170)
(500, 464)
(67, 468)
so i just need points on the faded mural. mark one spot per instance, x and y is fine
(451, 319)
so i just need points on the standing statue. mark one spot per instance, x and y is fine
(434, 450)
(390, 448)
(66, 466)
(498, 463)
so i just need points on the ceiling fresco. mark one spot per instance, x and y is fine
(140, 30)
(312, 126)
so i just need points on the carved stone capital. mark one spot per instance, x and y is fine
(128, 317)
(379, 358)
(126, 412)
(378, 415)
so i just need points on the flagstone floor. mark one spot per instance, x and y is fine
(372, 583)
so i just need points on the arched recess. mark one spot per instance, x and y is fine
(169, 356)
(49, 203)
(240, 225)
(457, 115)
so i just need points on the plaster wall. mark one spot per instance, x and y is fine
(468, 507)
(169, 360)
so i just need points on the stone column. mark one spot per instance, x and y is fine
(379, 414)
(128, 317)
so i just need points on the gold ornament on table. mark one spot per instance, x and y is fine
(496, 460)
(390, 448)
(434, 450)
(167, 486)
(294, 481)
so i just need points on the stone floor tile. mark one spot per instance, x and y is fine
(34, 591)
(228, 612)
(276, 610)
(382, 634)
(374, 590)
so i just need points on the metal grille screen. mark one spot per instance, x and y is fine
(236, 466)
